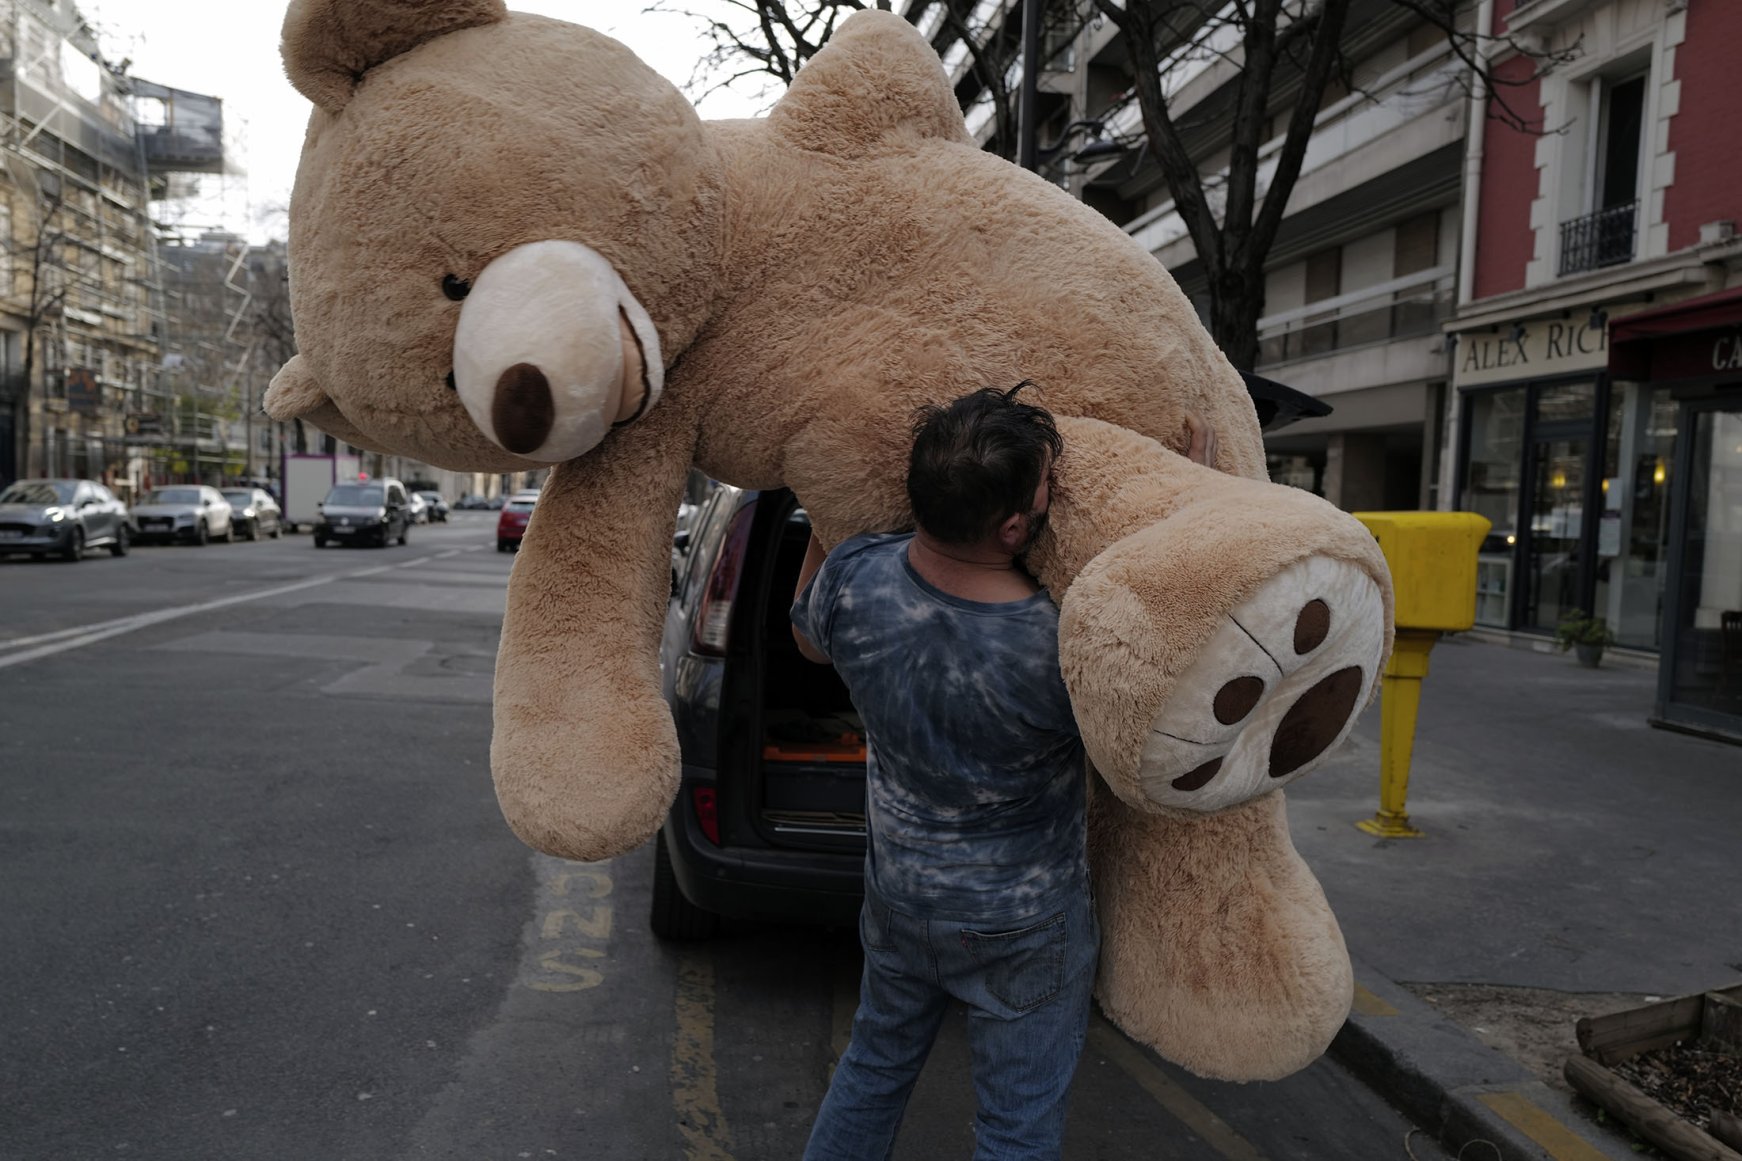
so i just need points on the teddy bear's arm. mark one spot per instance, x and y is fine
(584, 754)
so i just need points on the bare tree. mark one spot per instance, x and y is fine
(1286, 56)
(274, 331)
(42, 300)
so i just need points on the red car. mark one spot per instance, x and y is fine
(511, 525)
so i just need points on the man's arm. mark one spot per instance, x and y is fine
(813, 560)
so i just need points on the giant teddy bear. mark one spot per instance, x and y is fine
(514, 245)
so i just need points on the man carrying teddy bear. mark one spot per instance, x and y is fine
(976, 880)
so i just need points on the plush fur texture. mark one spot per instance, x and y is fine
(814, 277)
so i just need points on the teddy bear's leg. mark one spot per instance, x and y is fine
(584, 753)
(1218, 948)
(1218, 634)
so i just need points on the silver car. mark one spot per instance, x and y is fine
(192, 513)
(62, 518)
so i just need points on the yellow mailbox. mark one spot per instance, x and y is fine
(1432, 557)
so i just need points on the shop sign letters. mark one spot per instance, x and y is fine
(1727, 352)
(1540, 348)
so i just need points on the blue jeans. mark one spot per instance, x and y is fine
(1026, 986)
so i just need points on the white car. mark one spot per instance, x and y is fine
(188, 512)
(419, 507)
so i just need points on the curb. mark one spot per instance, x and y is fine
(1480, 1104)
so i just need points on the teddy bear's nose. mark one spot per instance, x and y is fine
(523, 409)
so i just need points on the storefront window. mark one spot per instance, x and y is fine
(1633, 535)
(1491, 490)
(1565, 401)
(1708, 645)
(1557, 509)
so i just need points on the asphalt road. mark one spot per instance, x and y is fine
(258, 903)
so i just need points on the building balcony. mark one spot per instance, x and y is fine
(1596, 240)
(1409, 307)
(1356, 141)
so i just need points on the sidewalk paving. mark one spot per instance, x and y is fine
(1576, 861)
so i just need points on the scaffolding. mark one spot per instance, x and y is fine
(104, 370)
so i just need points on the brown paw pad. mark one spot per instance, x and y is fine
(1278, 686)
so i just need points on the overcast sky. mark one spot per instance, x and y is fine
(229, 49)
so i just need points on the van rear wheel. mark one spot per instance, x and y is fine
(673, 916)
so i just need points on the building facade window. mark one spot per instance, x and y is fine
(1606, 230)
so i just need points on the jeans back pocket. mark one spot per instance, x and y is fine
(1022, 969)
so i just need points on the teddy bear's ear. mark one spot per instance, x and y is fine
(329, 44)
(876, 78)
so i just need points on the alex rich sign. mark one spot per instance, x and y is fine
(1536, 349)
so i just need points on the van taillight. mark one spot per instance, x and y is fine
(708, 812)
(714, 616)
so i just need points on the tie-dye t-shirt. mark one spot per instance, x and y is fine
(976, 770)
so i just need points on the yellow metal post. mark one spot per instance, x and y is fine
(1432, 558)
(1400, 698)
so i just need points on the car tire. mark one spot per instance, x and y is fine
(320, 542)
(229, 536)
(673, 916)
(404, 530)
(123, 542)
(277, 531)
(252, 531)
(502, 546)
(202, 535)
(75, 549)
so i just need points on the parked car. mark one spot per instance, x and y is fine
(511, 525)
(257, 513)
(418, 506)
(192, 513)
(438, 507)
(62, 518)
(769, 821)
(364, 512)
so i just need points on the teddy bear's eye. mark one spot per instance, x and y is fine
(455, 288)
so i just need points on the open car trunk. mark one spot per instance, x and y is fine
(810, 766)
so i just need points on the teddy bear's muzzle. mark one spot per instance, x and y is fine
(553, 350)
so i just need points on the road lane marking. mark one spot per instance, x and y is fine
(573, 965)
(62, 640)
(1368, 1004)
(1215, 1132)
(104, 630)
(694, 1094)
(1541, 1126)
(844, 1007)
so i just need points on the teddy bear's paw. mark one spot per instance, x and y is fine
(1276, 689)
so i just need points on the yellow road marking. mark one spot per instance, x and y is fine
(1540, 1126)
(1367, 1004)
(694, 1094)
(1184, 1107)
(846, 1003)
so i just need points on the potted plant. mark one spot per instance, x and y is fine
(1585, 635)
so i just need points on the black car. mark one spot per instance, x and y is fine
(769, 821)
(256, 513)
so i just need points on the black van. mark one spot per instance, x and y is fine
(769, 821)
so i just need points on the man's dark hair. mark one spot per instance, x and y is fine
(977, 461)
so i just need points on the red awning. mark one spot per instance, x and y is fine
(1631, 337)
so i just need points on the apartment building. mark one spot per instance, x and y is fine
(1596, 411)
(1363, 272)
(82, 389)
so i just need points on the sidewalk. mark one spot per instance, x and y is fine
(1576, 861)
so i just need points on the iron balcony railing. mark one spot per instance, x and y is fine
(1600, 239)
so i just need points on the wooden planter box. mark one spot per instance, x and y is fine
(1712, 1017)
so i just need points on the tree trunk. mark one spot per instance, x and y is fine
(1236, 302)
